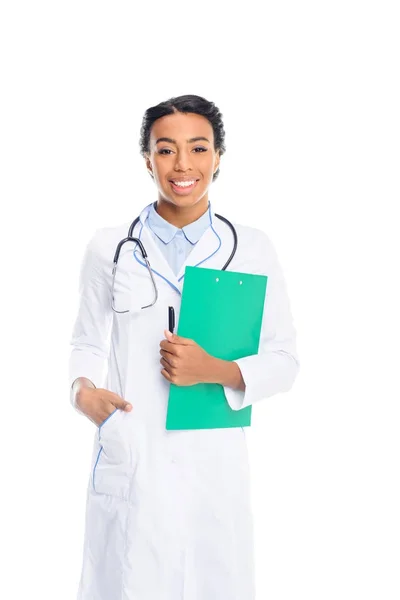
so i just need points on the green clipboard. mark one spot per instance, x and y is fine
(222, 311)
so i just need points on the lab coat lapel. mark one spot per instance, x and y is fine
(211, 251)
(159, 264)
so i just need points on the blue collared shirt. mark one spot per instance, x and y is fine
(176, 244)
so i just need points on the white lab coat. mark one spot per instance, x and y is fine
(168, 514)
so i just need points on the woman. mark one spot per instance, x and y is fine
(168, 512)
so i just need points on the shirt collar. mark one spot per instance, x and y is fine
(166, 231)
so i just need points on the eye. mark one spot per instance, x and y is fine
(168, 151)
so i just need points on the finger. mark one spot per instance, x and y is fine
(119, 402)
(122, 405)
(177, 339)
(167, 366)
(112, 396)
(168, 357)
(168, 347)
(165, 374)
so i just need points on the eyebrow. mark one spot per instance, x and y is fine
(171, 141)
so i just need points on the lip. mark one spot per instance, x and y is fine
(184, 179)
(184, 191)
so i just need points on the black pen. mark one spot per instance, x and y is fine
(171, 319)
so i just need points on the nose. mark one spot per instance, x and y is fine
(183, 162)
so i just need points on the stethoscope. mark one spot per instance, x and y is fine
(146, 260)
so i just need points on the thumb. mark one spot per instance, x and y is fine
(123, 405)
(177, 339)
(120, 403)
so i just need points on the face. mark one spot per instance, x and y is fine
(182, 150)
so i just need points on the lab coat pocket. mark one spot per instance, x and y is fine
(114, 464)
(107, 419)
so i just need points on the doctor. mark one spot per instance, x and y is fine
(168, 513)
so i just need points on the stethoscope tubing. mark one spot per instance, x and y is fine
(142, 249)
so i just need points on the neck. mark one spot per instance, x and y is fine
(181, 215)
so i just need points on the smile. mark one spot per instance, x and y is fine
(183, 187)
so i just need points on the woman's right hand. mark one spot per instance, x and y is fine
(98, 403)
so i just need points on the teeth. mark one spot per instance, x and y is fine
(183, 183)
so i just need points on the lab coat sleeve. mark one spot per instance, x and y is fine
(91, 332)
(275, 367)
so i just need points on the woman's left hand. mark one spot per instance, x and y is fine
(184, 361)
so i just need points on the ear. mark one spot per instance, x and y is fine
(217, 161)
(148, 165)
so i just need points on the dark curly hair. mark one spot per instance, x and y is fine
(184, 104)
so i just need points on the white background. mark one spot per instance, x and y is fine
(309, 92)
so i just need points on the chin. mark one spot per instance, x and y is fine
(183, 201)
